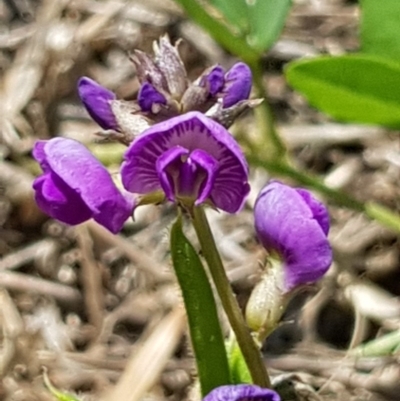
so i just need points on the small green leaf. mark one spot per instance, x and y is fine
(381, 346)
(234, 11)
(266, 20)
(56, 393)
(357, 88)
(204, 326)
(380, 28)
(237, 365)
(220, 31)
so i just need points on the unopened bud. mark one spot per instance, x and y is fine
(170, 63)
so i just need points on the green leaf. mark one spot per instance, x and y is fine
(234, 11)
(56, 393)
(384, 345)
(380, 28)
(219, 31)
(266, 20)
(205, 330)
(357, 88)
(248, 27)
(237, 365)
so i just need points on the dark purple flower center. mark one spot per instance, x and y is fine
(188, 176)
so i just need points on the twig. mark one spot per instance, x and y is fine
(68, 296)
(13, 261)
(145, 366)
(137, 256)
(91, 279)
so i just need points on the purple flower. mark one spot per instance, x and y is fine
(75, 186)
(232, 86)
(237, 85)
(294, 224)
(148, 96)
(97, 101)
(215, 80)
(242, 392)
(192, 159)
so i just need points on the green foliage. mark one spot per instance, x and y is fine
(361, 87)
(204, 326)
(380, 28)
(246, 28)
(259, 21)
(60, 396)
(387, 344)
(357, 88)
(237, 365)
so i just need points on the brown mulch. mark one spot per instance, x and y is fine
(101, 313)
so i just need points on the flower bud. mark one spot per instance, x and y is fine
(149, 96)
(169, 62)
(97, 101)
(237, 84)
(214, 80)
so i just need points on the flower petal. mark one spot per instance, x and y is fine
(76, 183)
(215, 80)
(237, 87)
(285, 223)
(317, 208)
(97, 101)
(210, 167)
(171, 156)
(149, 95)
(191, 131)
(57, 200)
(242, 392)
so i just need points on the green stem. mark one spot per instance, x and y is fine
(219, 31)
(271, 141)
(373, 210)
(246, 343)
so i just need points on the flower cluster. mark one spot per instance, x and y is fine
(166, 92)
(189, 158)
(177, 147)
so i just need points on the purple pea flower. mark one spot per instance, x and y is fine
(291, 222)
(148, 96)
(292, 225)
(237, 85)
(97, 101)
(233, 86)
(76, 187)
(215, 80)
(242, 392)
(192, 159)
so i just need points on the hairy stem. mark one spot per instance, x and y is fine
(246, 343)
